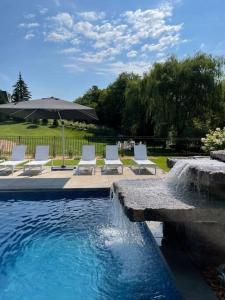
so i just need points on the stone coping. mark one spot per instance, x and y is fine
(143, 200)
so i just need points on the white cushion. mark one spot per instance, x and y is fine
(140, 152)
(37, 163)
(116, 162)
(111, 152)
(42, 153)
(12, 163)
(145, 162)
(18, 152)
(87, 162)
(88, 153)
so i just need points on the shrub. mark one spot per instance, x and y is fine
(55, 123)
(214, 140)
(44, 122)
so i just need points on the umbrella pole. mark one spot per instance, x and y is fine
(63, 145)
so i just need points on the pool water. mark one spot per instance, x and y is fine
(67, 246)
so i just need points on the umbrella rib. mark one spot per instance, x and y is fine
(59, 115)
(31, 114)
(15, 112)
(87, 114)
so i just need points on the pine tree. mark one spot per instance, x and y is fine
(20, 92)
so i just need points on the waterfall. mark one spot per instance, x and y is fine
(193, 172)
(125, 240)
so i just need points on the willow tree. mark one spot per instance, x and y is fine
(184, 92)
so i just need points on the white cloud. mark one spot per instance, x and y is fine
(132, 54)
(63, 19)
(29, 25)
(69, 51)
(99, 56)
(75, 41)
(29, 36)
(29, 16)
(138, 67)
(114, 43)
(92, 15)
(43, 10)
(61, 36)
(74, 68)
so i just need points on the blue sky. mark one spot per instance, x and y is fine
(63, 47)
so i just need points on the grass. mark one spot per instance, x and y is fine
(8, 129)
(160, 162)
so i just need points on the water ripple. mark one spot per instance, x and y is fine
(70, 249)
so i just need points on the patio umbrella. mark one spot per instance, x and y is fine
(50, 108)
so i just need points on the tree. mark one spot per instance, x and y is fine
(112, 101)
(20, 92)
(3, 97)
(184, 93)
(183, 98)
(90, 98)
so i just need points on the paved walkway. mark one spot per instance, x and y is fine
(65, 179)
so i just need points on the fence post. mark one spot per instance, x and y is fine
(54, 148)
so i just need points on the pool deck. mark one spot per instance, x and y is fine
(66, 180)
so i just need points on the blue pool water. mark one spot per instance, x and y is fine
(76, 245)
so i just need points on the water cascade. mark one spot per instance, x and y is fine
(190, 197)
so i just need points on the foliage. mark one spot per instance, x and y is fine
(20, 92)
(184, 98)
(55, 123)
(214, 140)
(44, 122)
(3, 97)
(90, 98)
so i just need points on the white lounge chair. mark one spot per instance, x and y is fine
(88, 159)
(141, 158)
(41, 159)
(18, 157)
(112, 160)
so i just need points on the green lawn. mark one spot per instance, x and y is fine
(8, 129)
(160, 162)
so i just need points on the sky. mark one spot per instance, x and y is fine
(63, 47)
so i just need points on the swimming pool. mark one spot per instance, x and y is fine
(66, 245)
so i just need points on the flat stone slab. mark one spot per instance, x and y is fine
(154, 200)
(171, 161)
(219, 155)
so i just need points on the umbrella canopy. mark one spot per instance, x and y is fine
(49, 108)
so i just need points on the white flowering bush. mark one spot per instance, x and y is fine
(214, 140)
